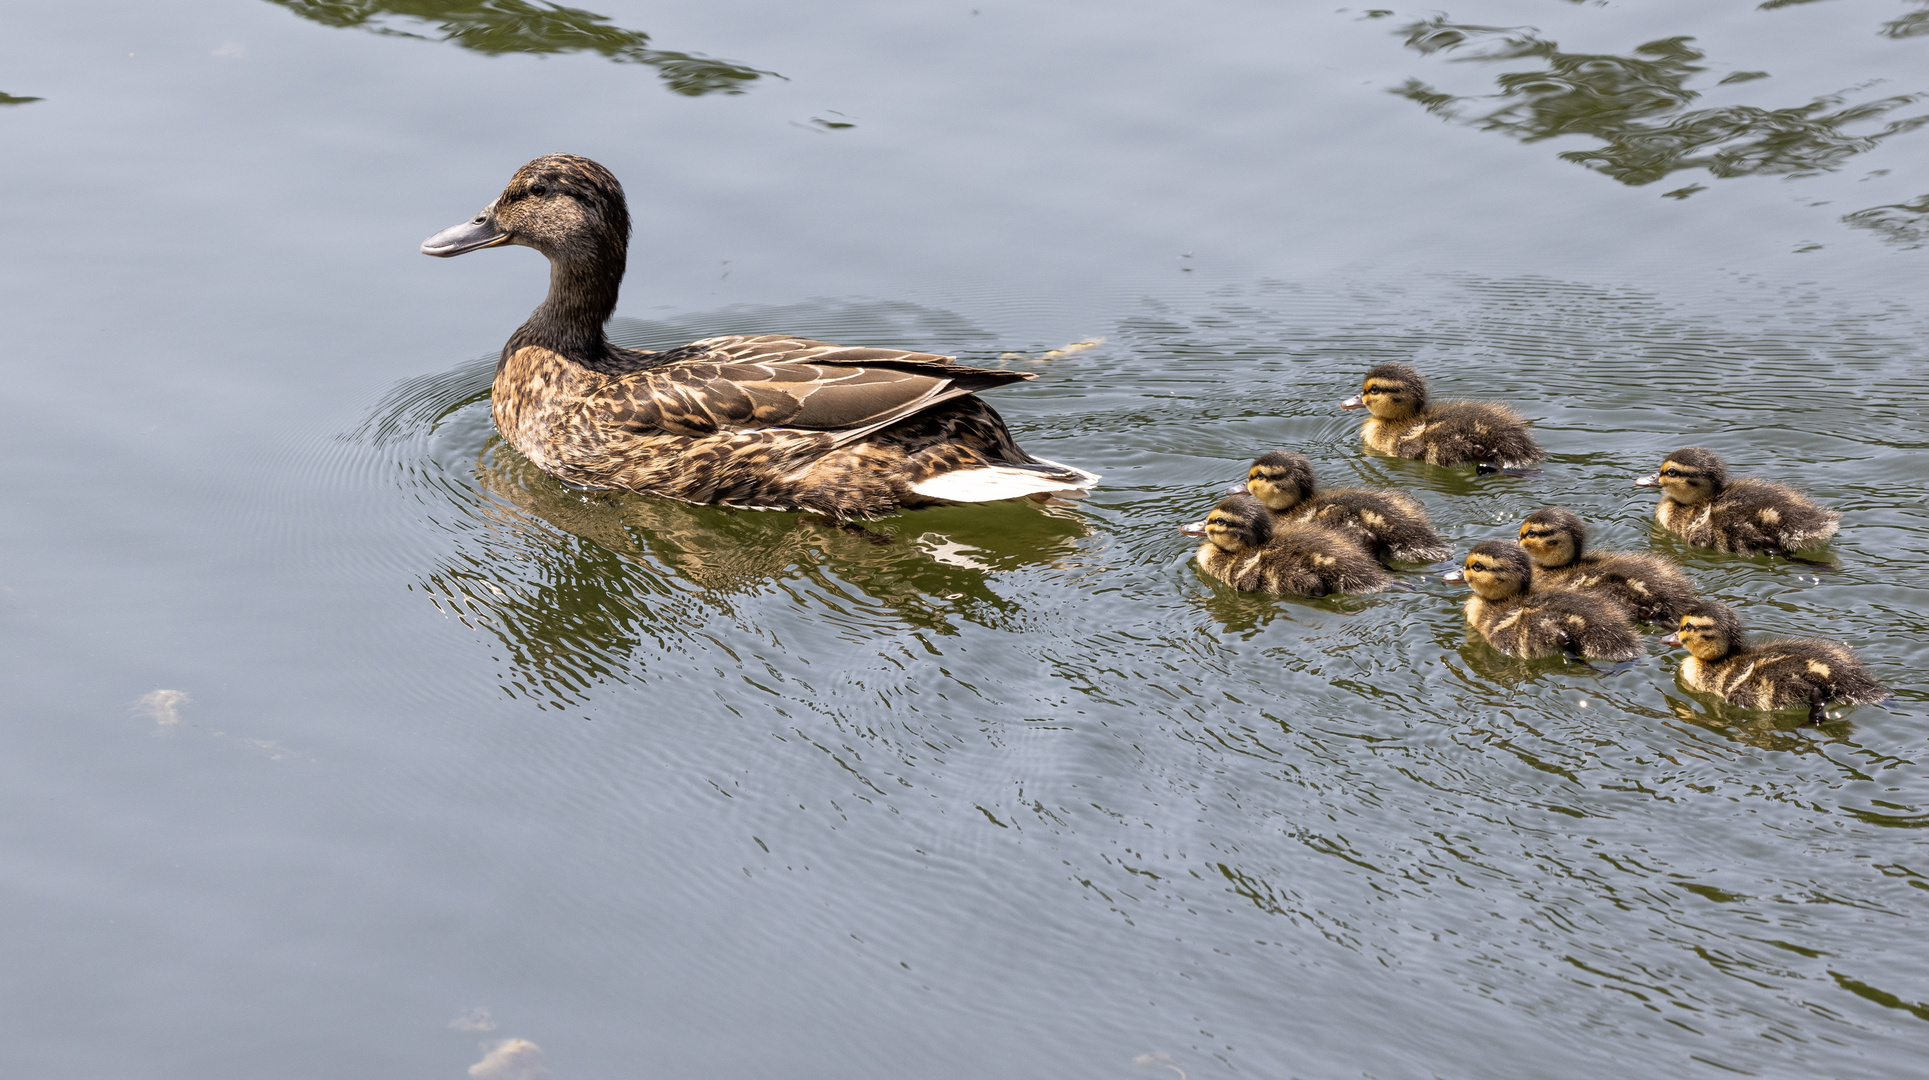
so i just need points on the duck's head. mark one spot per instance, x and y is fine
(1281, 480)
(1710, 630)
(1495, 569)
(1554, 536)
(1391, 392)
(1690, 475)
(1239, 522)
(567, 207)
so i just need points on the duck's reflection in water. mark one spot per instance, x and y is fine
(590, 588)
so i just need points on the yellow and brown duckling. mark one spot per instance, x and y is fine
(1247, 549)
(1390, 524)
(1653, 589)
(1775, 675)
(1700, 504)
(1406, 425)
(761, 421)
(1530, 623)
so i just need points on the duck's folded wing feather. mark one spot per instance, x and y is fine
(785, 349)
(848, 401)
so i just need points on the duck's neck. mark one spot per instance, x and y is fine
(582, 297)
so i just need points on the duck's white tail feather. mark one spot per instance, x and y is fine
(996, 482)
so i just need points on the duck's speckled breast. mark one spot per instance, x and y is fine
(532, 398)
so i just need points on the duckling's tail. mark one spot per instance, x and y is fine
(994, 482)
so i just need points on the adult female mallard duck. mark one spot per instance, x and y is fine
(1774, 675)
(1405, 425)
(1247, 549)
(1702, 506)
(765, 421)
(1388, 523)
(1530, 623)
(1653, 589)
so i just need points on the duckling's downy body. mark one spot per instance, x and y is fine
(1702, 506)
(1388, 523)
(765, 421)
(1523, 621)
(1451, 433)
(1653, 589)
(1774, 675)
(1247, 549)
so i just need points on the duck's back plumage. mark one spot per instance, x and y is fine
(1750, 515)
(1786, 673)
(1389, 523)
(770, 422)
(1456, 433)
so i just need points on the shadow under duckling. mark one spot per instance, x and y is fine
(1652, 588)
(1405, 425)
(1743, 517)
(1390, 524)
(1247, 549)
(1531, 623)
(1776, 675)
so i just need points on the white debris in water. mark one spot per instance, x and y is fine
(511, 1059)
(163, 705)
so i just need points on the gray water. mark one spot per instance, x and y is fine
(341, 742)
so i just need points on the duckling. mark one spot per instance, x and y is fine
(1247, 549)
(1702, 506)
(1388, 523)
(1775, 675)
(1529, 623)
(1453, 433)
(767, 421)
(1653, 589)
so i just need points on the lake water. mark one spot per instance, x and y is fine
(340, 742)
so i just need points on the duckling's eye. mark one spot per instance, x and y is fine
(1671, 472)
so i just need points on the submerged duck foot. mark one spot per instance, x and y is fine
(862, 533)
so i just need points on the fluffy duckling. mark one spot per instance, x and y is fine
(764, 421)
(1702, 506)
(1386, 522)
(1247, 549)
(1776, 675)
(1653, 589)
(1521, 621)
(1452, 433)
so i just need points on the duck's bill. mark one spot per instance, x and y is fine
(1238, 489)
(1354, 402)
(1648, 481)
(468, 236)
(1454, 577)
(1193, 528)
(1673, 641)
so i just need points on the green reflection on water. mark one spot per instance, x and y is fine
(521, 26)
(1914, 24)
(1638, 106)
(1903, 224)
(9, 99)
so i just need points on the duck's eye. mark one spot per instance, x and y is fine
(539, 189)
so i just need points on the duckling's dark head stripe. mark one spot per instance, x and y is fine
(1285, 469)
(1502, 555)
(1391, 378)
(1692, 463)
(1555, 521)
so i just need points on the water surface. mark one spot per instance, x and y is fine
(341, 741)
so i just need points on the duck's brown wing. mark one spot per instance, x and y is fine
(847, 393)
(784, 349)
